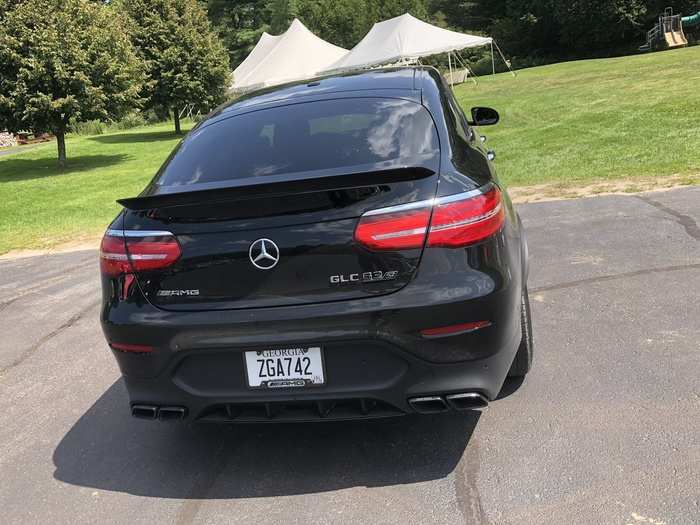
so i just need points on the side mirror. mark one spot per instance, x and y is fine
(483, 116)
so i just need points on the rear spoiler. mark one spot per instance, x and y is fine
(251, 188)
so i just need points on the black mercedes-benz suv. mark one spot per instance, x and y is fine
(334, 249)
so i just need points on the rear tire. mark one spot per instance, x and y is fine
(523, 358)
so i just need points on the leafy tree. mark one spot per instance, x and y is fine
(560, 29)
(239, 24)
(61, 59)
(6, 6)
(185, 61)
(282, 12)
(341, 22)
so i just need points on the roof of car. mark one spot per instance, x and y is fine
(394, 78)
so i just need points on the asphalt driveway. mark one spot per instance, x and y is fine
(606, 429)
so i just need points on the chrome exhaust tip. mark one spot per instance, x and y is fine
(428, 404)
(144, 411)
(171, 413)
(467, 401)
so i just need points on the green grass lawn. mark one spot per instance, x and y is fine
(43, 206)
(579, 122)
(568, 124)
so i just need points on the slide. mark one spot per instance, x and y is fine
(672, 26)
(675, 38)
(668, 32)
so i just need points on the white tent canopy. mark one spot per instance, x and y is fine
(261, 49)
(404, 38)
(294, 55)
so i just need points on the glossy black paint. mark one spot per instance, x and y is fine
(314, 233)
(370, 332)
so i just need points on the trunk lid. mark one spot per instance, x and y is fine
(286, 237)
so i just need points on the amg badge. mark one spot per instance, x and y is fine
(365, 277)
(171, 293)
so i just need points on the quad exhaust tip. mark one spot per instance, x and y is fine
(467, 401)
(171, 413)
(458, 402)
(166, 413)
(428, 404)
(144, 411)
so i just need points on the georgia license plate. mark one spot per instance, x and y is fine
(285, 368)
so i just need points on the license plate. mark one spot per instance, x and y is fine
(285, 368)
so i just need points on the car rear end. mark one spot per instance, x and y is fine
(294, 261)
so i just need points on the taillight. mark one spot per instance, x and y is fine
(113, 258)
(457, 221)
(389, 230)
(461, 221)
(131, 251)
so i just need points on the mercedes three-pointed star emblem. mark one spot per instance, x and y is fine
(264, 254)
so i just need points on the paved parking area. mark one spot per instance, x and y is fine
(606, 429)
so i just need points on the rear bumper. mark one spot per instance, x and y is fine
(374, 353)
(201, 368)
(364, 380)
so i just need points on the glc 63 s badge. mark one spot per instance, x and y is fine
(364, 277)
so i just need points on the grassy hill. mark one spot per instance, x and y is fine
(578, 122)
(567, 124)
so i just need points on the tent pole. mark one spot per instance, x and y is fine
(493, 61)
(466, 66)
(504, 59)
(449, 62)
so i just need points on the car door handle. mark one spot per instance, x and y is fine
(491, 155)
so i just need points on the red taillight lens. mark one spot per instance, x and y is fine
(393, 231)
(113, 258)
(152, 253)
(138, 349)
(457, 221)
(137, 251)
(455, 329)
(466, 221)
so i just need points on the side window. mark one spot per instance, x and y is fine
(462, 126)
(466, 154)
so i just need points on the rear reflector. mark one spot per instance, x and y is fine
(138, 349)
(454, 329)
(457, 221)
(131, 251)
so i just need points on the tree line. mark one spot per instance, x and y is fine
(80, 60)
(530, 31)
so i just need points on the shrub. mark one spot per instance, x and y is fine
(131, 120)
(90, 127)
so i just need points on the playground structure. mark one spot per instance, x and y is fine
(668, 31)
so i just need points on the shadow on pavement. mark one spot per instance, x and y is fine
(511, 386)
(107, 449)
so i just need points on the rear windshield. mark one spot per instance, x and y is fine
(318, 135)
